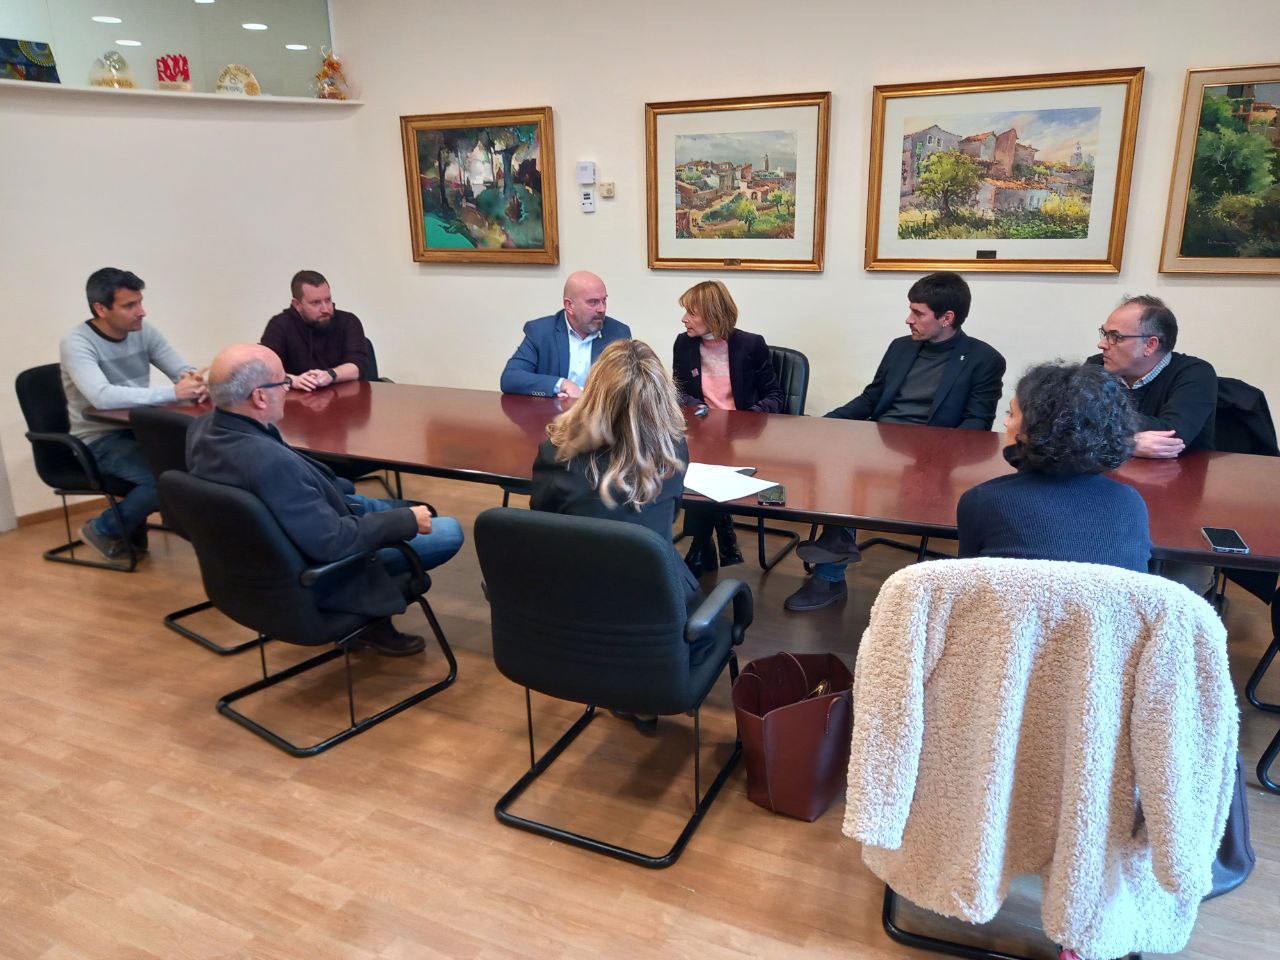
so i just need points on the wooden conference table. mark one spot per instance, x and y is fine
(885, 477)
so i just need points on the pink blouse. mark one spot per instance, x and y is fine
(717, 390)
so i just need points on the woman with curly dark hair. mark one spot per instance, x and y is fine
(1067, 424)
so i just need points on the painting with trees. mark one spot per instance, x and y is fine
(1233, 206)
(481, 187)
(1019, 174)
(1024, 175)
(738, 185)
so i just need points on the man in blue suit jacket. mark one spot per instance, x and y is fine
(557, 351)
(937, 375)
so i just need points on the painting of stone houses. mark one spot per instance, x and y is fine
(735, 185)
(1024, 174)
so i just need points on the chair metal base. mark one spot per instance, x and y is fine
(56, 553)
(937, 945)
(767, 563)
(171, 621)
(701, 802)
(1269, 755)
(340, 649)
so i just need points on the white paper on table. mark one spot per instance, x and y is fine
(722, 483)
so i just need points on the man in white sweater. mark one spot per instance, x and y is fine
(106, 363)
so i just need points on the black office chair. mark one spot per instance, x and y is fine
(792, 370)
(1270, 754)
(162, 434)
(1242, 424)
(628, 643)
(358, 470)
(65, 463)
(254, 574)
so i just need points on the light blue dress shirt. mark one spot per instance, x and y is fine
(579, 356)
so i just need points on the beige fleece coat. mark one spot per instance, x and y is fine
(1008, 716)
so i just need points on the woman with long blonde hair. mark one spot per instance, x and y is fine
(619, 452)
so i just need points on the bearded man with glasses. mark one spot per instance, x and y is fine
(238, 444)
(1175, 395)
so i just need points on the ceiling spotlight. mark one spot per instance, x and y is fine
(204, 1)
(128, 43)
(106, 20)
(296, 46)
(254, 26)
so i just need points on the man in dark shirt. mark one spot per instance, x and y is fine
(318, 344)
(1176, 396)
(937, 375)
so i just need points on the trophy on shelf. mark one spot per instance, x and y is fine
(112, 70)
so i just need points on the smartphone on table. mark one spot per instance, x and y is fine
(1224, 540)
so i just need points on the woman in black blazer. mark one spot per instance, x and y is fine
(728, 369)
(619, 452)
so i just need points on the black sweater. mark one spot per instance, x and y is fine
(1184, 399)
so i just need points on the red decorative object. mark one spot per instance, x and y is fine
(173, 72)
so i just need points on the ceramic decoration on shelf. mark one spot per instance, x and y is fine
(27, 60)
(111, 70)
(331, 82)
(173, 72)
(237, 78)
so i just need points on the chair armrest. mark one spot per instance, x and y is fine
(78, 449)
(701, 622)
(309, 576)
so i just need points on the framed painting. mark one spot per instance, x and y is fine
(737, 184)
(1005, 174)
(481, 186)
(1224, 196)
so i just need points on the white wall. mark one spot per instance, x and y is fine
(215, 206)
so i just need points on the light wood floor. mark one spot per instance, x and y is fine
(141, 824)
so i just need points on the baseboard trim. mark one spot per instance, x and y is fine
(96, 505)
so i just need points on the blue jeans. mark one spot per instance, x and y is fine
(830, 571)
(433, 549)
(120, 455)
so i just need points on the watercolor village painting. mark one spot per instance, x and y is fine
(1233, 200)
(736, 185)
(1025, 175)
(481, 187)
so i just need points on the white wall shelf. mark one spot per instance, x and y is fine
(59, 89)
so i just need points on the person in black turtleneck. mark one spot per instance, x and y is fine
(937, 375)
(1067, 423)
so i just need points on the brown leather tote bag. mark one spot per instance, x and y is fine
(795, 719)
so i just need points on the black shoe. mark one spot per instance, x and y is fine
(727, 540)
(834, 545)
(647, 725)
(701, 557)
(111, 548)
(816, 594)
(390, 642)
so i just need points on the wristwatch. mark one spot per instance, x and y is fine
(333, 375)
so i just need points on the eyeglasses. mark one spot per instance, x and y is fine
(1114, 338)
(287, 382)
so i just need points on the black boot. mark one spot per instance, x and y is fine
(701, 557)
(727, 538)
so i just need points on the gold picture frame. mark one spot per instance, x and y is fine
(975, 193)
(494, 201)
(1229, 225)
(737, 183)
